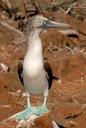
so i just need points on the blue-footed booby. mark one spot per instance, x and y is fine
(36, 75)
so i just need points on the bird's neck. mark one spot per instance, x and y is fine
(33, 61)
(34, 44)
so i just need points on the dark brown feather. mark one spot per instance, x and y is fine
(49, 73)
(20, 70)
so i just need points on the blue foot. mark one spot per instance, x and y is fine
(24, 115)
(40, 110)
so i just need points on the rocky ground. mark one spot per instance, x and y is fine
(65, 52)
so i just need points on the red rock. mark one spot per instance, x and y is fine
(43, 121)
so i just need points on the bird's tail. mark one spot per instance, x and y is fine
(55, 78)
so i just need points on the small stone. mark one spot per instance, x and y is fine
(4, 68)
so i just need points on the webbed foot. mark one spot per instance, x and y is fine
(24, 115)
(40, 110)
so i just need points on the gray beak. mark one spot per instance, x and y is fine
(51, 24)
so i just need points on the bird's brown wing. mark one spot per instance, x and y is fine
(20, 70)
(49, 74)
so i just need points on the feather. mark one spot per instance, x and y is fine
(49, 73)
(20, 70)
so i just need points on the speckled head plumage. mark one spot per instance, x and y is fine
(41, 23)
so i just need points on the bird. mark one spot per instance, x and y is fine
(35, 73)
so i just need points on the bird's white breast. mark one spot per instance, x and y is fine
(33, 66)
(35, 81)
(33, 61)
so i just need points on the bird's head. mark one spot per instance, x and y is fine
(41, 23)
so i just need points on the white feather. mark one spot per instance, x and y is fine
(35, 81)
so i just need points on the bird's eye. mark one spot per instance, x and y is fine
(44, 23)
(47, 21)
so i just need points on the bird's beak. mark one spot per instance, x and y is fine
(51, 24)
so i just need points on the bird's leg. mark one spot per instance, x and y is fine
(28, 102)
(45, 101)
(42, 109)
(27, 112)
